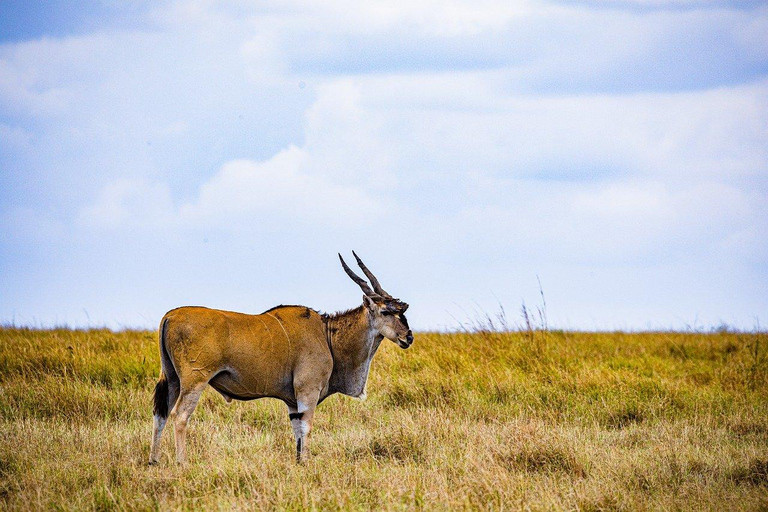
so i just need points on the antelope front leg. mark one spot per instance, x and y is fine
(301, 421)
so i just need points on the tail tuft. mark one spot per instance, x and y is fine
(161, 398)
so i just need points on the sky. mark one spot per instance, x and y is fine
(159, 154)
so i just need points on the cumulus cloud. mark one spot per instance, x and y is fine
(243, 192)
(332, 180)
(129, 204)
(554, 48)
(581, 178)
(470, 125)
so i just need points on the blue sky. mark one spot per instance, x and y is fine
(156, 154)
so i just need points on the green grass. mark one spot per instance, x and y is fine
(538, 420)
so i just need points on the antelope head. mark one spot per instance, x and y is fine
(387, 313)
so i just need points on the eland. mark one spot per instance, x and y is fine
(292, 353)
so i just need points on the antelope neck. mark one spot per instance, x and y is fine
(353, 343)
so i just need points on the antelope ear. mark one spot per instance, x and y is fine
(369, 303)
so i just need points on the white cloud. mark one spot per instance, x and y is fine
(349, 141)
(242, 195)
(583, 178)
(448, 18)
(244, 192)
(340, 178)
(130, 204)
(471, 125)
(18, 92)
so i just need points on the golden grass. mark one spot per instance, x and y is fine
(537, 420)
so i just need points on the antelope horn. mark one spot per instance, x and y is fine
(374, 282)
(359, 280)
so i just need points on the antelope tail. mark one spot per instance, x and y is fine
(161, 388)
(161, 398)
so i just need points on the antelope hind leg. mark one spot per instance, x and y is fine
(185, 405)
(166, 395)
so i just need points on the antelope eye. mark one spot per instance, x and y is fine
(386, 313)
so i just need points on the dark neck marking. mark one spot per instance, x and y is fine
(345, 315)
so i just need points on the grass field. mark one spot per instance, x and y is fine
(532, 419)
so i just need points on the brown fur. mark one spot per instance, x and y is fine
(266, 352)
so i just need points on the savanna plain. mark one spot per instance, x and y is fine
(476, 419)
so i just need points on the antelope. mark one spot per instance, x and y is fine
(292, 353)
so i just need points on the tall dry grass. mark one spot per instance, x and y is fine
(534, 419)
